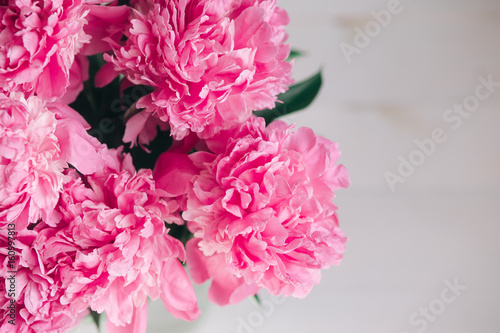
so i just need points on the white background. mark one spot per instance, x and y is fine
(442, 223)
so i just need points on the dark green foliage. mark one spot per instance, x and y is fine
(294, 54)
(298, 97)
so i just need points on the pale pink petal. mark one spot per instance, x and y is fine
(53, 80)
(173, 173)
(63, 111)
(105, 22)
(78, 74)
(225, 288)
(134, 127)
(77, 147)
(138, 325)
(105, 75)
(196, 262)
(177, 292)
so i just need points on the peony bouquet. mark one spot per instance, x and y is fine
(139, 154)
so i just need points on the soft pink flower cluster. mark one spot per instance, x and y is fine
(38, 43)
(118, 217)
(82, 229)
(37, 141)
(211, 62)
(110, 251)
(261, 208)
(37, 285)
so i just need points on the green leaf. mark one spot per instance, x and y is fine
(95, 316)
(294, 54)
(257, 299)
(298, 97)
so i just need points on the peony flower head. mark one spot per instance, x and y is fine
(37, 141)
(117, 217)
(264, 200)
(211, 62)
(30, 298)
(110, 251)
(38, 43)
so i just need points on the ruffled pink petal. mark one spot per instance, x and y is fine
(225, 288)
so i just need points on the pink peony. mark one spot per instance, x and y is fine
(31, 298)
(110, 251)
(211, 62)
(38, 43)
(37, 141)
(118, 219)
(226, 288)
(264, 200)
